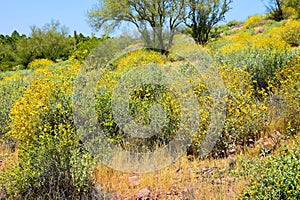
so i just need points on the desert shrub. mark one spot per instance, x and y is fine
(51, 163)
(245, 114)
(139, 58)
(40, 63)
(265, 63)
(288, 92)
(51, 166)
(236, 42)
(269, 43)
(253, 21)
(278, 177)
(291, 32)
(40, 104)
(262, 62)
(140, 101)
(11, 88)
(289, 12)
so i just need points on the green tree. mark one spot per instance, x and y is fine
(151, 18)
(7, 56)
(51, 41)
(8, 45)
(26, 52)
(204, 15)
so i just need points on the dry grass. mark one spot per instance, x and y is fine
(6, 156)
(185, 179)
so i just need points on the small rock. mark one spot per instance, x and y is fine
(144, 193)
(260, 29)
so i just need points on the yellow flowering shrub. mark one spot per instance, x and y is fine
(291, 32)
(11, 88)
(253, 21)
(50, 157)
(289, 12)
(237, 42)
(139, 58)
(269, 43)
(79, 55)
(141, 99)
(33, 112)
(40, 63)
(245, 114)
(26, 111)
(288, 93)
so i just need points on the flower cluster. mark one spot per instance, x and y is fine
(40, 63)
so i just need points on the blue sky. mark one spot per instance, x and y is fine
(21, 14)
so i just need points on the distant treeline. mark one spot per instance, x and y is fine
(52, 42)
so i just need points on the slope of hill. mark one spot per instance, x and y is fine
(254, 66)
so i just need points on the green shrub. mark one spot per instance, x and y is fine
(276, 178)
(141, 100)
(52, 166)
(12, 87)
(288, 92)
(253, 21)
(39, 63)
(291, 32)
(260, 62)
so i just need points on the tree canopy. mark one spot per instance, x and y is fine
(153, 18)
(204, 15)
(150, 17)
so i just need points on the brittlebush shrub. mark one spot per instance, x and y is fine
(46, 102)
(288, 91)
(236, 42)
(253, 21)
(51, 162)
(140, 101)
(50, 167)
(262, 56)
(291, 32)
(40, 63)
(245, 113)
(11, 88)
(139, 58)
(278, 177)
